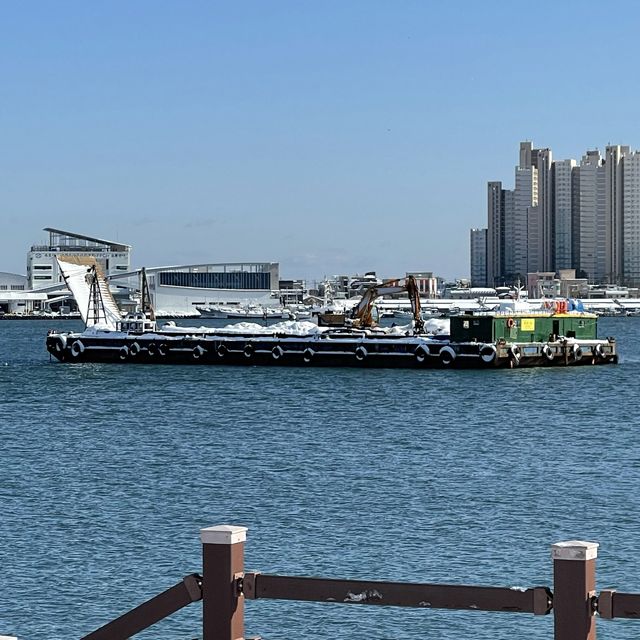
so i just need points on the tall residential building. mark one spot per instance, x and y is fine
(589, 218)
(614, 202)
(545, 214)
(537, 201)
(561, 217)
(525, 197)
(527, 155)
(534, 241)
(478, 248)
(631, 219)
(514, 228)
(495, 233)
(509, 212)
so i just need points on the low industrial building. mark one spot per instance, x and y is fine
(15, 298)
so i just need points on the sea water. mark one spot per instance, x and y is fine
(108, 472)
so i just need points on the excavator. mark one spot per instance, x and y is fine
(361, 315)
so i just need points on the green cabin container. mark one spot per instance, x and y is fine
(523, 328)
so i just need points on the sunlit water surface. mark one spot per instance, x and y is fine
(109, 472)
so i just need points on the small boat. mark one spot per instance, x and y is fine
(228, 312)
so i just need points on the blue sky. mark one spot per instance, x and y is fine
(332, 137)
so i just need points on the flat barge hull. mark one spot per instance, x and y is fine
(365, 352)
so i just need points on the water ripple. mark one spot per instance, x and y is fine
(108, 473)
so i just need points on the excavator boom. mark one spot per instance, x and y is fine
(362, 312)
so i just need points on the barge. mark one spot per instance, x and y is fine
(302, 344)
(513, 336)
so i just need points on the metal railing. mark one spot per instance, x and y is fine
(224, 587)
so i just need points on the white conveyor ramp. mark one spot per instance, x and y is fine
(96, 308)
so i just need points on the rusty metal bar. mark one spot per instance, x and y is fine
(222, 567)
(152, 611)
(574, 579)
(434, 596)
(612, 604)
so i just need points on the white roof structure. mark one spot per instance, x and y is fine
(62, 238)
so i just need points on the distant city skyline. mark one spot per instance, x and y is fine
(332, 138)
(562, 214)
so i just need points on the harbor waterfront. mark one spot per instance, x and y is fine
(109, 472)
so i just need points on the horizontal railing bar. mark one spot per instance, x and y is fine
(620, 605)
(431, 596)
(188, 590)
(626, 605)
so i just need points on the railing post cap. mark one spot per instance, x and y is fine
(223, 534)
(574, 550)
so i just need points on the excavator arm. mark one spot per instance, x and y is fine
(414, 297)
(361, 314)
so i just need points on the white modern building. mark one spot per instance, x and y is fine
(181, 289)
(42, 268)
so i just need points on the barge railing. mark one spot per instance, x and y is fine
(225, 586)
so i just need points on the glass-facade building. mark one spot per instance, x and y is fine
(228, 280)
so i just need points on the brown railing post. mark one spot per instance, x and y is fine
(574, 583)
(222, 569)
